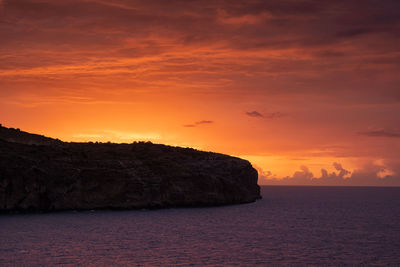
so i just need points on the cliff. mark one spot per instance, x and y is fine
(43, 174)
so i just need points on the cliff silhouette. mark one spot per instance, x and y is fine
(38, 173)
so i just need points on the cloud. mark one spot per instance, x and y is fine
(255, 114)
(264, 175)
(371, 174)
(342, 171)
(204, 122)
(380, 133)
(273, 115)
(197, 123)
(303, 175)
(249, 38)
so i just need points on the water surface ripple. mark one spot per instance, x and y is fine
(289, 226)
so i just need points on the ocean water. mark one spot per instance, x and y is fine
(289, 226)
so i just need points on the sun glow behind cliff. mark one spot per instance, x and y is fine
(282, 83)
(116, 136)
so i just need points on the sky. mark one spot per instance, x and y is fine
(307, 91)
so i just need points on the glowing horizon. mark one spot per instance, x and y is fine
(295, 87)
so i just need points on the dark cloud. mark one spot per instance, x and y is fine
(357, 37)
(255, 114)
(353, 32)
(190, 21)
(273, 115)
(380, 133)
(197, 123)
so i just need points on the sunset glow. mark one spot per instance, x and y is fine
(292, 86)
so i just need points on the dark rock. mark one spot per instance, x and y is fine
(43, 174)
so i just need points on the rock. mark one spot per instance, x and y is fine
(44, 174)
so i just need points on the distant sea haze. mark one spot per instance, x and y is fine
(323, 226)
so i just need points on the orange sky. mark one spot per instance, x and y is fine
(292, 86)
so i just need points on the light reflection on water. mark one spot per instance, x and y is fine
(289, 226)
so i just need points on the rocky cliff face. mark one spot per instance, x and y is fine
(54, 175)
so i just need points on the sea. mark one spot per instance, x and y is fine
(290, 226)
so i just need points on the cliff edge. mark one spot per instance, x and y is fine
(38, 173)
